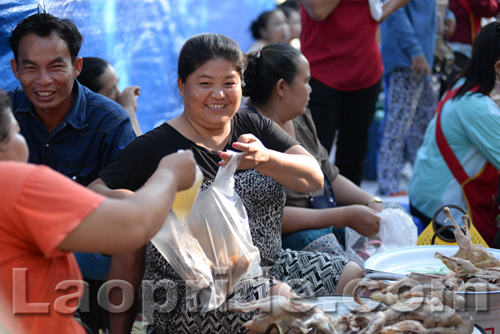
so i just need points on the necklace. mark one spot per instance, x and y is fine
(210, 142)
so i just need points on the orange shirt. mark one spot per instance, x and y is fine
(38, 209)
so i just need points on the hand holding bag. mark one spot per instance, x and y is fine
(212, 250)
(397, 230)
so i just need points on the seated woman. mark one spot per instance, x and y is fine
(459, 159)
(44, 216)
(277, 85)
(210, 70)
(100, 77)
(271, 26)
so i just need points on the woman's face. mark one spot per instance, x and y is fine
(211, 94)
(295, 24)
(277, 29)
(14, 147)
(109, 81)
(299, 90)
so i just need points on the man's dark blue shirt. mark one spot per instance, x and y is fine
(91, 135)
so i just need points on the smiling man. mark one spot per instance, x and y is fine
(67, 126)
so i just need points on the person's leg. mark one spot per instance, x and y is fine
(350, 276)
(423, 114)
(325, 104)
(356, 118)
(403, 89)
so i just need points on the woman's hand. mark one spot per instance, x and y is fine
(128, 98)
(254, 153)
(363, 220)
(420, 66)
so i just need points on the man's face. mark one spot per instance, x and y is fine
(46, 73)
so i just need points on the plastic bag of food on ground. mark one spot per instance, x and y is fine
(212, 250)
(397, 230)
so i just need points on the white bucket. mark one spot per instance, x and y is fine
(484, 307)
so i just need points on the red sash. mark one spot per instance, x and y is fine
(479, 191)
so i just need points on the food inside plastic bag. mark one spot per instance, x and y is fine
(184, 199)
(397, 230)
(212, 250)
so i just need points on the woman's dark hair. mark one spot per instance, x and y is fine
(265, 67)
(43, 25)
(201, 48)
(92, 69)
(290, 4)
(5, 107)
(261, 23)
(288, 11)
(485, 53)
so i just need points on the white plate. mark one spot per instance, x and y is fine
(414, 259)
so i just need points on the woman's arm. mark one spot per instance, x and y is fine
(295, 169)
(354, 214)
(124, 267)
(100, 187)
(319, 10)
(129, 268)
(128, 100)
(123, 225)
(360, 218)
(348, 193)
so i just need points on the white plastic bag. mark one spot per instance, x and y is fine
(213, 250)
(397, 230)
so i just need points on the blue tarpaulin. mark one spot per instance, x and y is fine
(140, 38)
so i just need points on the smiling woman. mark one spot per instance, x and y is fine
(212, 95)
(277, 85)
(210, 71)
